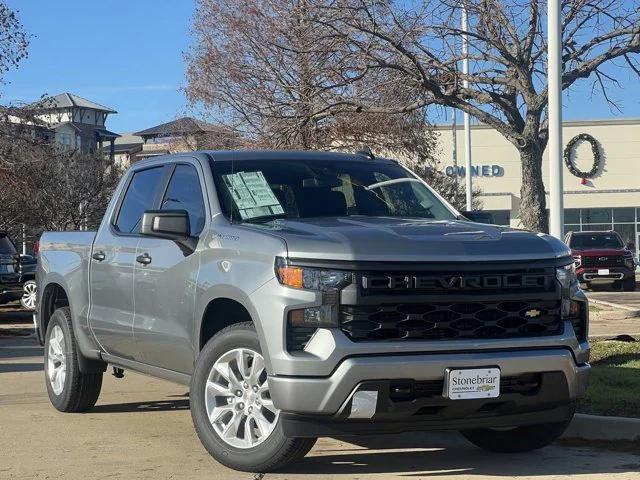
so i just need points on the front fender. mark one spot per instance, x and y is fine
(232, 293)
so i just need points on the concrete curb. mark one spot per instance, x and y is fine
(596, 427)
(614, 305)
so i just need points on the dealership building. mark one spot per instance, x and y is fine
(608, 200)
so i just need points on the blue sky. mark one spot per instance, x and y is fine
(127, 54)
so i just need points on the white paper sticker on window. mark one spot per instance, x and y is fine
(252, 194)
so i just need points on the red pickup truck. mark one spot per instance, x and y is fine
(601, 257)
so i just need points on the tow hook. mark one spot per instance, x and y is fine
(118, 372)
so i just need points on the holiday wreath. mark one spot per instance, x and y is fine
(595, 149)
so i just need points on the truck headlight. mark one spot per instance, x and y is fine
(311, 278)
(628, 262)
(566, 276)
(577, 260)
(329, 282)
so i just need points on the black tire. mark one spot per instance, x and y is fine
(81, 390)
(629, 285)
(277, 450)
(516, 440)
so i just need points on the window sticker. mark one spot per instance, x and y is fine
(252, 194)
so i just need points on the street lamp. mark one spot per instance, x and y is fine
(554, 75)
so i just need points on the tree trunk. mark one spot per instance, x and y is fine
(533, 205)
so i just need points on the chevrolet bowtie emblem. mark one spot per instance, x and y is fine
(532, 313)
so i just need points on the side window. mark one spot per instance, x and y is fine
(184, 193)
(142, 191)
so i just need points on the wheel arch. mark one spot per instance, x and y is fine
(54, 296)
(227, 306)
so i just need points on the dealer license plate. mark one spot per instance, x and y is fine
(603, 271)
(467, 383)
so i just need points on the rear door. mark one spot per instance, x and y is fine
(113, 261)
(166, 282)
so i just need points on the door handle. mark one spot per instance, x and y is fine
(99, 256)
(144, 259)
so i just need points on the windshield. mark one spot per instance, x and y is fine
(257, 191)
(586, 241)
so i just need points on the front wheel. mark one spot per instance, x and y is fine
(29, 292)
(231, 407)
(516, 440)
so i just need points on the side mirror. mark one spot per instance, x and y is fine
(478, 216)
(631, 246)
(169, 224)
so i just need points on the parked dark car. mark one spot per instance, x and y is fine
(17, 274)
(602, 257)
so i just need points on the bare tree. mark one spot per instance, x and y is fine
(269, 67)
(415, 46)
(54, 189)
(276, 72)
(13, 40)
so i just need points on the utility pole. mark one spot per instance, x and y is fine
(554, 78)
(467, 126)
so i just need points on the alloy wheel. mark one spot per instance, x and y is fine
(29, 291)
(237, 399)
(56, 360)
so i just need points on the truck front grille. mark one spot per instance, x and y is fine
(603, 261)
(451, 321)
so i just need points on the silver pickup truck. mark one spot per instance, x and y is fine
(307, 294)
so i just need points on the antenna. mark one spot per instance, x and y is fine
(366, 151)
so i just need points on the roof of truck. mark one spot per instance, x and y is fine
(238, 155)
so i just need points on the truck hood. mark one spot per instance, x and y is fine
(399, 239)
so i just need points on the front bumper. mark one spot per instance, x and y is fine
(614, 274)
(330, 395)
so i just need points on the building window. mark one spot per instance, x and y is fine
(65, 140)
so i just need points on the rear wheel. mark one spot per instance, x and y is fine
(518, 439)
(232, 409)
(69, 389)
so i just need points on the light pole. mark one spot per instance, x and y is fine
(554, 75)
(467, 126)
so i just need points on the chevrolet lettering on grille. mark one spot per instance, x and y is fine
(454, 282)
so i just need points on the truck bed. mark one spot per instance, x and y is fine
(65, 257)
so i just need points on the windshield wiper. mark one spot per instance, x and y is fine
(391, 182)
(264, 218)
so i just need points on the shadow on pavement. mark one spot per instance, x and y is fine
(154, 406)
(446, 455)
(20, 367)
(14, 315)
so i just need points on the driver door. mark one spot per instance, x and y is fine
(165, 281)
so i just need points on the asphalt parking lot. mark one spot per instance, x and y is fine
(141, 428)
